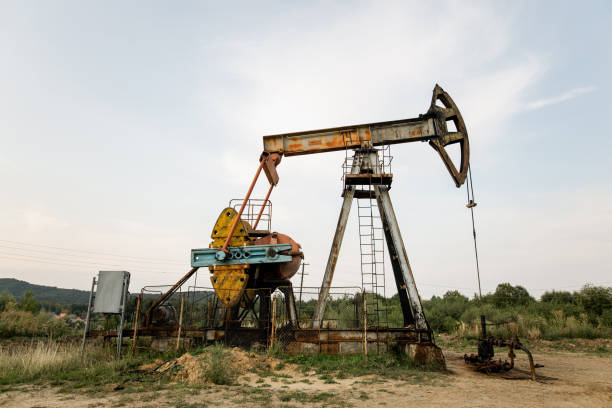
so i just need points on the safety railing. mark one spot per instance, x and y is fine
(256, 212)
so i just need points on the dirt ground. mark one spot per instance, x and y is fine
(568, 379)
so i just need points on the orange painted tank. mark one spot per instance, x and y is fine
(285, 270)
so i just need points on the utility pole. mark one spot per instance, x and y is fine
(302, 273)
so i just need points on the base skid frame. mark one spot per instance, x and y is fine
(417, 344)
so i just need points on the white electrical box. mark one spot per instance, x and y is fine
(110, 291)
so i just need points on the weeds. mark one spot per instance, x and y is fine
(52, 363)
(583, 314)
(328, 379)
(219, 367)
(303, 397)
(386, 365)
(527, 325)
(602, 350)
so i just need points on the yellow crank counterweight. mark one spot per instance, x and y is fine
(229, 281)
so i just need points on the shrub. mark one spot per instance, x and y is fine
(559, 298)
(595, 300)
(218, 370)
(7, 301)
(508, 295)
(29, 303)
(443, 314)
(606, 318)
(21, 323)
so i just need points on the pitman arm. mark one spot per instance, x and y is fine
(431, 126)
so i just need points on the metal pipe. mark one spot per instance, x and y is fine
(246, 198)
(166, 295)
(261, 210)
(483, 327)
(531, 363)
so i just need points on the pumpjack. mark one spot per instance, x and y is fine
(243, 260)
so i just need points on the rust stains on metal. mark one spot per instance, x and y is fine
(325, 140)
(450, 113)
(295, 146)
(431, 126)
(417, 132)
(271, 162)
(285, 270)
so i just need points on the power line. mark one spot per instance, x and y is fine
(69, 263)
(141, 259)
(444, 286)
(80, 267)
(29, 251)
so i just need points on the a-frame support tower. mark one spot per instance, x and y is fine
(366, 170)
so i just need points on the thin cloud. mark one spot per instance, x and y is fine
(541, 103)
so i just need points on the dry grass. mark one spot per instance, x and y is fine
(49, 361)
(38, 358)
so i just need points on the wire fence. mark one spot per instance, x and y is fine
(263, 317)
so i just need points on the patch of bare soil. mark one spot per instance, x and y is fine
(191, 368)
(566, 380)
(456, 343)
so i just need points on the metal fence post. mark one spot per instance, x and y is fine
(273, 329)
(180, 322)
(91, 296)
(365, 326)
(208, 314)
(136, 318)
(126, 284)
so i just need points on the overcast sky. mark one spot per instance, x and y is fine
(126, 127)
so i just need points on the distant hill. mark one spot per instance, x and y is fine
(43, 293)
(51, 294)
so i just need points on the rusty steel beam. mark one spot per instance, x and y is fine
(351, 137)
(169, 293)
(404, 279)
(305, 335)
(431, 126)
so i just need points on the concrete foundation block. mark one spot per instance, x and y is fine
(425, 354)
